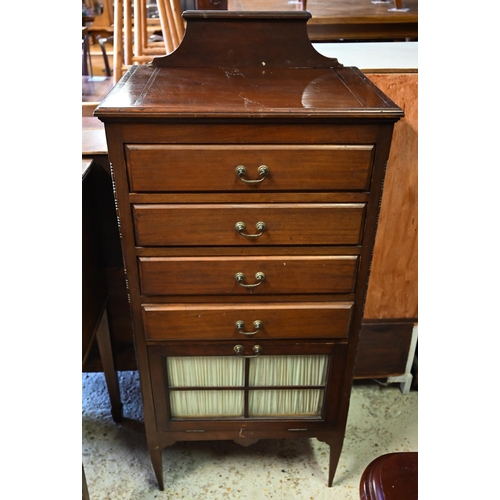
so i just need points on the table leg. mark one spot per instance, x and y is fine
(110, 374)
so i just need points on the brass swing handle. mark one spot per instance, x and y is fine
(241, 171)
(241, 226)
(240, 278)
(257, 324)
(256, 349)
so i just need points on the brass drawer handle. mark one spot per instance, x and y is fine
(263, 171)
(240, 278)
(240, 227)
(239, 348)
(257, 324)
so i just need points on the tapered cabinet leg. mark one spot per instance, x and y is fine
(335, 450)
(156, 459)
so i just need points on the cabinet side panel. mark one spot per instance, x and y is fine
(393, 286)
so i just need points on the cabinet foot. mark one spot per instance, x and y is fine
(335, 444)
(156, 459)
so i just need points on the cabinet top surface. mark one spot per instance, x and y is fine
(245, 65)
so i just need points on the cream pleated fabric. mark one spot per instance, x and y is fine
(265, 371)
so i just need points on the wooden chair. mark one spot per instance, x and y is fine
(172, 23)
(132, 30)
(86, 61)
(102, 22)
(86, 56)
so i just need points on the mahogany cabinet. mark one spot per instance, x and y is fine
(247, 170)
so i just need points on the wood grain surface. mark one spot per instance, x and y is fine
(393, 285)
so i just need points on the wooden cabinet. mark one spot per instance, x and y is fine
(248, 183)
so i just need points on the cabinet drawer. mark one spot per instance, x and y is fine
(240, 275)
(217, 225)
(170, 168)
(244, 321)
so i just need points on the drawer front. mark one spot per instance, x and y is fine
(217, 225)
(248, 275)
(246, 321)
(202, 168)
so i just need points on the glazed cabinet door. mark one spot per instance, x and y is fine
(221, 385)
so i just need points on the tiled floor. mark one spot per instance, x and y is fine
(117, 465)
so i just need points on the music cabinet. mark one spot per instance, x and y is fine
(247, 171)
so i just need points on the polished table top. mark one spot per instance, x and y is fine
(346, 19)
(340, 10)
(95, 88)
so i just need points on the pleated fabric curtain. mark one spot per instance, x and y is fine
(229, 372)
(287, 371)
(206, 371)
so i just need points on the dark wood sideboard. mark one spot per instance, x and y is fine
(248, 181)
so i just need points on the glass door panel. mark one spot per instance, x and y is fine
(205, 371)
(288, 370)
(273, 385)
(285, 403)
(202, 404)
